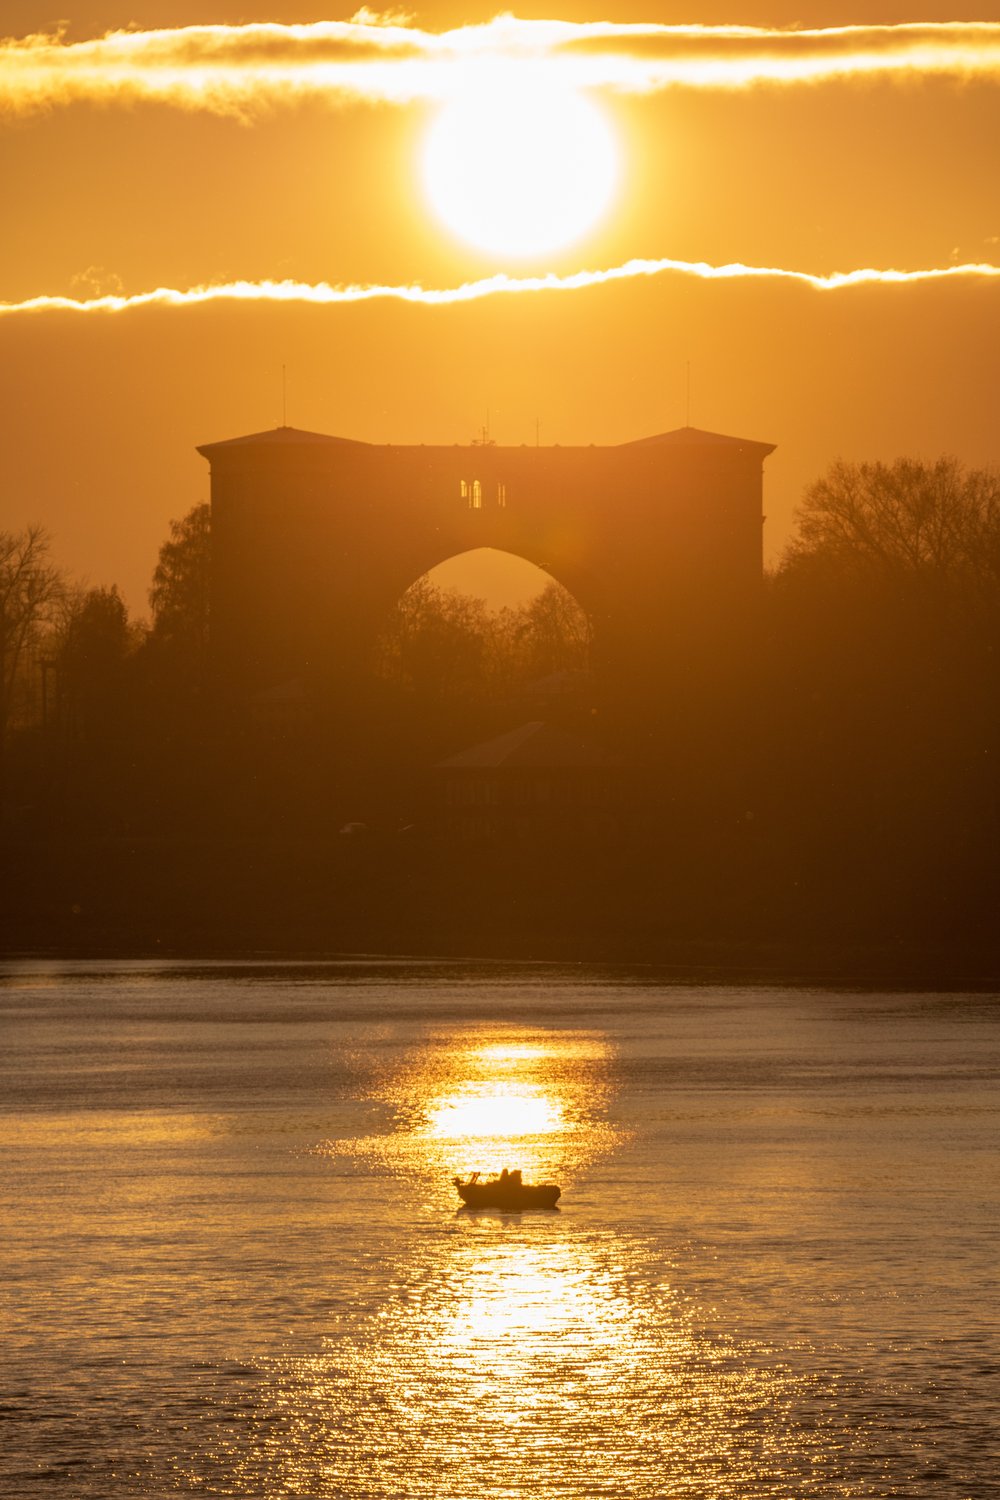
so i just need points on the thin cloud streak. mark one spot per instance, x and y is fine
(240, 69)
(324, 294)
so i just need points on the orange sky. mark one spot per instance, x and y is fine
(101, 411)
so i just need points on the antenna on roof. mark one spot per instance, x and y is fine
(284, 398)
(484, 440)
(687, 397)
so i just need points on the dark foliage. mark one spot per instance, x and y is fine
(180, 601)
(443, 645)
(93, 660)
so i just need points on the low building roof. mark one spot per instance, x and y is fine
(291, 691)
(531, 746)
(697, 437)
(559, 684)
(281, 437)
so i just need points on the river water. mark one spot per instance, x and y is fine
(232, 1263)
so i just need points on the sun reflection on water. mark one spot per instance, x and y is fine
(520, 1301)
(513, 1101)
(510, 1052)
(513, 1360)
(484, 1099)
(496, 1114)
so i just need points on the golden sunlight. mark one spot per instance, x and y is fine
(495, 1112)
(518, 168)
(513, 1290)
(483, 1098)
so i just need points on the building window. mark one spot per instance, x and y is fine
(471, 491)
(502, 495)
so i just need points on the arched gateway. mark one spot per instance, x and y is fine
(314, 538)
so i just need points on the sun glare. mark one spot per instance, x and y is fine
(518, 169)
(504, 1112)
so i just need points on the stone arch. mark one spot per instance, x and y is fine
(312, 534)
(545, 571)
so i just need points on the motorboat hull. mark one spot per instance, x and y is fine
(510, 1198)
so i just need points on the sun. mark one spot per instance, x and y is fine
(518, 168)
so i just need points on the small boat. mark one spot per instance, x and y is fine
(506, 1191)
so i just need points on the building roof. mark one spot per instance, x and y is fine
(559, 684)
(295, 437)
(281, 437)
(696, 437)
(534, 746)
(291, 691)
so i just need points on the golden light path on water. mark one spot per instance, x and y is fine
(540, 1353)
(481, 1104)
(498, 1113)
(528, 1364)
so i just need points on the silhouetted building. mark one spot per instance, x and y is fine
(315, 538)
(534, 782)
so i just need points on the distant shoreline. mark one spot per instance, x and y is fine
(315, 900)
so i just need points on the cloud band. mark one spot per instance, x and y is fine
(239, 69)
(324, 294)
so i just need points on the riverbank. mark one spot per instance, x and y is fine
(695, 915)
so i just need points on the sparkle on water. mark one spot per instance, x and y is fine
(497, 1116)
(233, 1262)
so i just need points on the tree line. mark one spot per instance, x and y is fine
(881, 757)
(84, 636)
(85, 687)
(101, 703)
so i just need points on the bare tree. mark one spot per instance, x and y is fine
(557, 632)
(904, 522)
(30, 590)
(435, 642)
(451, 645)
